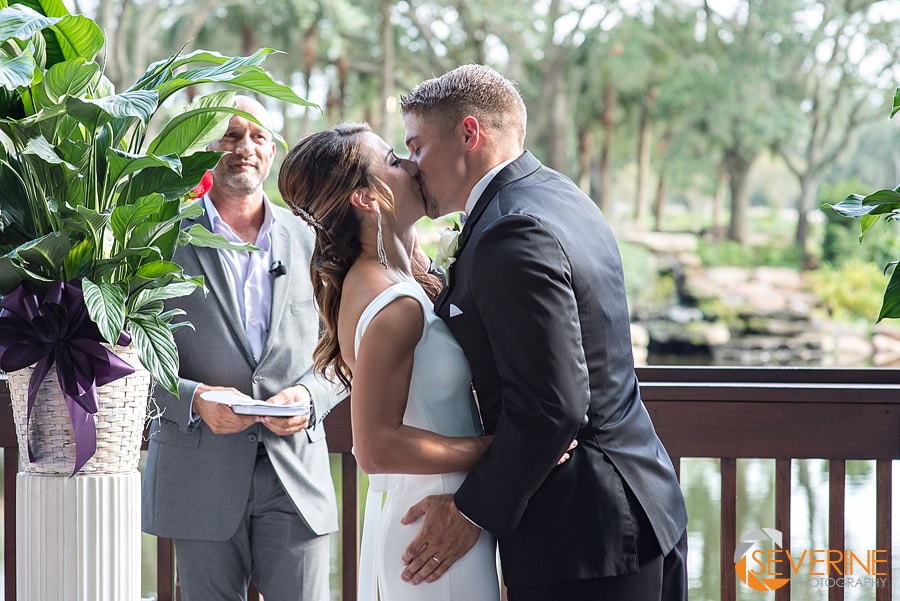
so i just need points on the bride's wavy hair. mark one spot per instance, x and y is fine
(316, 180)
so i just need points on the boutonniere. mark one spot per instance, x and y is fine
(447, 246)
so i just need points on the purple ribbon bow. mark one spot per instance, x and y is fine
(59, 329)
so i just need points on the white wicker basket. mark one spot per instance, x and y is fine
(122, 408)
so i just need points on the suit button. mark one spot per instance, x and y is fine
(252, 437)
(257, 379)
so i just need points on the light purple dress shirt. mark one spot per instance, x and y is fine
(248, 275)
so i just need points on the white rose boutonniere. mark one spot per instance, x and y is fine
(448, 245)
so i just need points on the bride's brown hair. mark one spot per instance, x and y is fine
(316, 180)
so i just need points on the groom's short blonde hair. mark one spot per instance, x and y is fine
(475, 90)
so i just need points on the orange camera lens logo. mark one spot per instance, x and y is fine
(756, 560)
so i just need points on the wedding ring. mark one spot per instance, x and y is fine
(434, 557)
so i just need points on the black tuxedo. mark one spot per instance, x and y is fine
(536, 299)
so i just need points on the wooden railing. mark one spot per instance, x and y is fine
(724, 413)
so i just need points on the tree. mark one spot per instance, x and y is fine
(831, 88)
(741, 110)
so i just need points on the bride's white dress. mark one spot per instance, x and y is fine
(440, 400)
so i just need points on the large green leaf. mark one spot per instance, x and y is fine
(156, 349)
(174, 289)
(106, 305)
(13, 272)
(221, 70)
(200, 236)
(21, 22)
(852, 206)
(210, 56)
(16, 71)
(261, 82)
(44, 256)
(78, 37)
(242, 72)
(148, 233)
(126, 217)
(40, 147)
(122, 164)
(139, 104)
(10, 274)
(80, 260)
(200, 124)
(158, 269)
(896, 108)
(169, 184)
(68, 78)
(890, 308)
(87, 220)
(51, 8)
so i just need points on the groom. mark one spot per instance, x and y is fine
(537, 301)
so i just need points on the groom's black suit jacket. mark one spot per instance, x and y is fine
(536, 299)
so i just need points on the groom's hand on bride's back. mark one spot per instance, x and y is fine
(445, 536)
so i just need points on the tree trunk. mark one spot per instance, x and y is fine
(584, 160)
(659, 203)
(641, 200)
(809, 190)
(718, 203)
(560, 118)
(608, 120)
(738, 168)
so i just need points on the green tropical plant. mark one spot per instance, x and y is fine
(94, 182)
(883, 205)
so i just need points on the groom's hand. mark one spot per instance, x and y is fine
(444, 537)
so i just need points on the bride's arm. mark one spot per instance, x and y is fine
(381, 379)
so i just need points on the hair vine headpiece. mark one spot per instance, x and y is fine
(308, 218)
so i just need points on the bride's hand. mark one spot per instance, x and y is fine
(567, 455)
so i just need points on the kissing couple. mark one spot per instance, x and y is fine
(468, 390)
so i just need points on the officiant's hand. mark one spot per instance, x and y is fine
(445, 536)
(220, 418)
(284, 426)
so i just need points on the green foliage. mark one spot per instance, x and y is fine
(841, 239)
(729, 253)
(850, 291)
(86, 195)
(881, 207)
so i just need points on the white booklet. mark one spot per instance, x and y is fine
(247, 406)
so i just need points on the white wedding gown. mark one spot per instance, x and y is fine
(440, 400)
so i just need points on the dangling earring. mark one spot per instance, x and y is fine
(382, 256)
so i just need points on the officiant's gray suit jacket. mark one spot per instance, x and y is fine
(197, 483)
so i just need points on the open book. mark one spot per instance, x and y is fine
(247, 406)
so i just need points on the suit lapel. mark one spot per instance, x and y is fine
(217, 281)
(282, 249)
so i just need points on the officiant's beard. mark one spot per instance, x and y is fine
(242, 180)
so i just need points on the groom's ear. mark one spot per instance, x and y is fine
(471, 129)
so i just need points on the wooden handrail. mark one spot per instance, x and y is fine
(726, 413)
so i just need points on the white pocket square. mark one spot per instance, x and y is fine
(454, 310)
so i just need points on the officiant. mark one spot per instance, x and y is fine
(245, 496)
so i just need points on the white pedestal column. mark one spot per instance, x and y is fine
(78, 539)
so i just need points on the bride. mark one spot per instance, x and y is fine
(416, 429)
